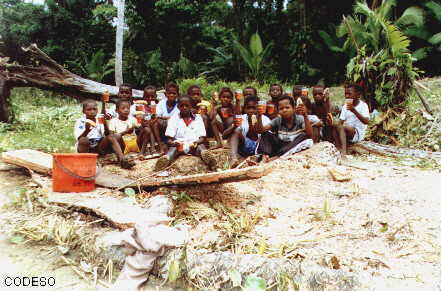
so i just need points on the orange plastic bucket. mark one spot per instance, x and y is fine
(73, 172)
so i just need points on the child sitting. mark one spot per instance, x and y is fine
(288, 130)
(244, 137)
(124, 93)
(195, 93)
(275, 91)
(249, 91)
(123, 128)
(165, 109)
(93, 135)
(145, 135)
(315, 121)
(322, 108)
(225, 112)
(186, 135)
(354, 119)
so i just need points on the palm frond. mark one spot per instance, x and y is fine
(256, 47)
(421, 53)
(398, 42)
(385, 9)
(435, 39)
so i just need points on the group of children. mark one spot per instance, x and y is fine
(180, 124)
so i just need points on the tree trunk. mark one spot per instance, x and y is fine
(119, 43)
(6, 115)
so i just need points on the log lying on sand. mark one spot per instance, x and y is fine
(386, 150)
(31, 67)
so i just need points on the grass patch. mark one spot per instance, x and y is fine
(44, 121)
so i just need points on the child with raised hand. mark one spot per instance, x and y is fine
(225, 111)
(123, 128)
(244, 137)
(354, 119)
(288, 130)
(322, 109)
(275, 91)
(186, 135)
(212, 130)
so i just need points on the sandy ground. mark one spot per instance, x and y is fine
(383, 223)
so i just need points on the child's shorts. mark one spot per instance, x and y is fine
(130, 144)
(357, 137)
(248, 147)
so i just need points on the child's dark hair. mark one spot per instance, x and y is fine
(172, 85)
(149, 87)
(87, 102)
(120, 102)
(181, 98)
(226, 89)
(252, 88)
(250, 99)
(191, 88)
(357, 87)
(127, 85)
(276, 85)
(318, 87)
(286, 97)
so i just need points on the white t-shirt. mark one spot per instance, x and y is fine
(161, 109)
(95, 134)
(177, 129)
(350, 119)
(313, 118)
(117, 125)
(245, 127)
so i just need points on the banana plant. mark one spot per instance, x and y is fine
(254, 55)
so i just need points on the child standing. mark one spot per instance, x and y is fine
(244, 137)
(354, 119)
(288, 130)
(186, 135)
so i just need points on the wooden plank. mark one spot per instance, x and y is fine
(232, 175)
(42, 163)
(121, 213)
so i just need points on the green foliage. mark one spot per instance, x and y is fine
(43, 122)
(383, 61)
(254, 55)
(95, 67)
(254, 283)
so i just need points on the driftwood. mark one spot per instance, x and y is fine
(392, 151)
(42, 163)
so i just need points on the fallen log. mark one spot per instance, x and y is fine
(31, 67)
(392, 151)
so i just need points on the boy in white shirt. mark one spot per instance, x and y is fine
(186, 135)
(354, 119)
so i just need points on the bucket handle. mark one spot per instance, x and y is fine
(72, 174)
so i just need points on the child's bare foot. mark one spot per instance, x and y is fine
(163, 148)
(162, 163)
(209, 159)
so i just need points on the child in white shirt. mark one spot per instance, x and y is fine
(354, 119)
(186, 135)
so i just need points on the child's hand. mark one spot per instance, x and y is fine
(301, 110)
(130, 130)
(326, 93)
(107, 116)
(90, 123)
(329, 119)
(350, 107)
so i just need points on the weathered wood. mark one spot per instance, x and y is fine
(226, 176)
(42, 163)
(33, 68)
(386, 150)
(120, 213)
(5, 92)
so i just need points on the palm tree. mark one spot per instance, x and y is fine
(119, 43)
(254, 56)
